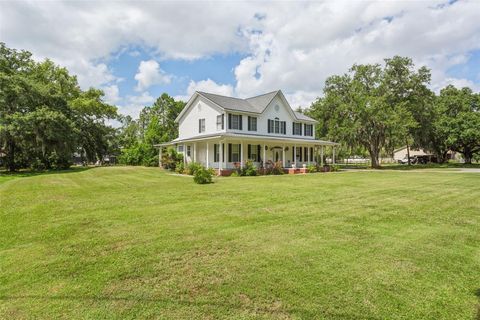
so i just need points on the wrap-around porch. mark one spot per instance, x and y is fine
(228, 153)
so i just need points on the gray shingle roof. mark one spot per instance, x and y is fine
(255, 104)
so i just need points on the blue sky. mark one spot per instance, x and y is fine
(136, 50)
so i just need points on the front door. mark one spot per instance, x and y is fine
(277, 154)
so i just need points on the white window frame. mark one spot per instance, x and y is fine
(201, 123)
(220, 122)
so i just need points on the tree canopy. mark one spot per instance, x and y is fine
(44, 115)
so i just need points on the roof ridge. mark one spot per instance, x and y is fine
(263, 94)
(220, 95)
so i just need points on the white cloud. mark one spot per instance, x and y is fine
(111, 94)
(134, 104)
(149, 73)
(293, 46)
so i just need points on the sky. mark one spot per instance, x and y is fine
(137, 50)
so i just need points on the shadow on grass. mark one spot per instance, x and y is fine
(31, 173)
(305, 314)
(406, 167)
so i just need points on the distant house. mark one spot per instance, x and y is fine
(400, 154)
(223, 132)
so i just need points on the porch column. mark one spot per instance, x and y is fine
(321, 156)
(184, 153)
(241, 155)
(226, 154)
(264, 160)
(220, 158)
(333, 155)
(206, 162)
(283, 156)
(160, 156)
(295, 155)
(194, 152)
(308, 155)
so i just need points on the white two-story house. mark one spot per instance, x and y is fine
(223, 132)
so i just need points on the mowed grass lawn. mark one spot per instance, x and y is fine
(124, 242)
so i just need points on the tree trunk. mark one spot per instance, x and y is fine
(374, 158)
(467, 155)
(10, 155)
(408, 153)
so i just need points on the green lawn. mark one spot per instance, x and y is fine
(125, 242)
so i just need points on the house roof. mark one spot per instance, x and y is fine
(256, 104)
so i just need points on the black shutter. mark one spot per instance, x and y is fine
(293, 154)
(223, 152)
(199, 125)
(258, 153)
(229, 152)
(229, 121)
(311, 154)
(301, 154)
(248, 124)
(223, 121)
(240, 122)
(249, 153)
(215, 153)
(268, 126)
(293, 128)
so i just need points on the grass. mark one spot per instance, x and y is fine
(125, 243)
(397, 166)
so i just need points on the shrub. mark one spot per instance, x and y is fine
(192, 168)
(180, 167)
(235, 174)
(274, 168)
(249, 169)
(171, 159)
(311, 168)
(203, 176)
(334, 167)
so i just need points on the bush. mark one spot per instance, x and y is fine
(180, 167)
(274, 168)
(171, 159)
(249, 169)
(311, 168)
(203, 176)
(192, 168)
(235, 174)
(334, 167)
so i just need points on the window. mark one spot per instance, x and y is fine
(233, 152)
(297, 129)
(254, 152)
(188, 151)
(308, 129)
(221, 122)
(180, 148)
(277, 125)
(311, 154)
(252, 123)
(235, 121)
(201, 125)
(216, 152)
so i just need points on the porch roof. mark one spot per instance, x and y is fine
(265, 138)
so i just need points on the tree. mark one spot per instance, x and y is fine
(457, 122)
(373, 107)
(45, 116)
(156, 124)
